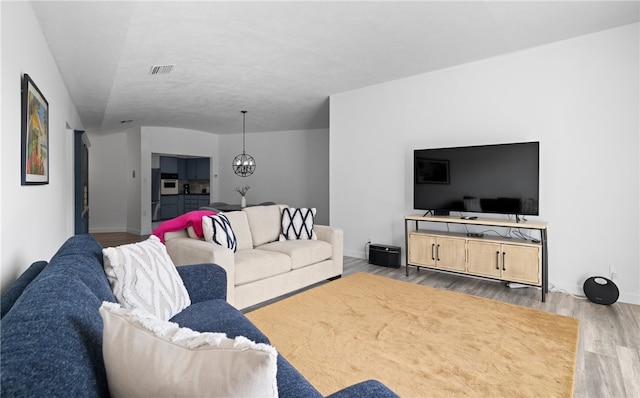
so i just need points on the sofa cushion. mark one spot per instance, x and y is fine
(302, 252)
(217, 229)
(143, 276)
(220, 316)
(265, 223)
(252, 265)
(204, 282)
(240, 225)
(297, 223)
(145, 357)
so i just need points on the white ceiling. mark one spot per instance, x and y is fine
(281, 61)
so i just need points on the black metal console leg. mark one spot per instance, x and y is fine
(545, 264)
(406, 246)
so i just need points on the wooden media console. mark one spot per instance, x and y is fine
(516, 260)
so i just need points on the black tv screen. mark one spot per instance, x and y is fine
(500, 178)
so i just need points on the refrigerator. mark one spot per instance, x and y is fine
(155, 194)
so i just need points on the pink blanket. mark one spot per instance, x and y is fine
(190, 219)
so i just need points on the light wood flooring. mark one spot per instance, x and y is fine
(608, 360)
(110, 239)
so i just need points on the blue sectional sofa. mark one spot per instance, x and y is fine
(51, 342)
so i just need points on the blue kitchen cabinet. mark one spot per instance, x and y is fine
(168, 164)
(198, 168)
(168, 207)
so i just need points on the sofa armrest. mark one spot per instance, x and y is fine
(13, 294)
(204, 281)
(335, 236)
(187, 251)
(369, 388)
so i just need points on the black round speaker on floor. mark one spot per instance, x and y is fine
(601, 290)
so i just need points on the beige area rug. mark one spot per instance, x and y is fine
(421, 341)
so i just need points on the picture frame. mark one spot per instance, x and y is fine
(432, 171)
(35, 135)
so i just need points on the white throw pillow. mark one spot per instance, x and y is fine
(143, 276)
(147, 357)
(298, 224)
(217, 229)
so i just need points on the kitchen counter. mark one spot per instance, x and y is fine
(188, 194)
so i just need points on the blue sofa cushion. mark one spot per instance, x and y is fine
(204, 281)
(218, 316)
(14, 292)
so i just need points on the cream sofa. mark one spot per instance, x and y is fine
(263, 267)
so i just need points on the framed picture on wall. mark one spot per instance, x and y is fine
(35, 135)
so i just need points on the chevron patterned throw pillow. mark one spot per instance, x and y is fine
(298, 224)
(217, 229)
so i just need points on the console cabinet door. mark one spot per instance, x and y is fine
(516, 263)
(484, 258)
(422, 249)
(450, 253)
(521, 263)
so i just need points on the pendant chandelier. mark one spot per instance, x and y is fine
(243, 164)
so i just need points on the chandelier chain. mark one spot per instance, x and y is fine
(244, 114)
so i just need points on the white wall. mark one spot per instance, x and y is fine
(135, 185)
(578, 97)
(292, 167)
(36, 220)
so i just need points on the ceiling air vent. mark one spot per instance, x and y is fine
(161, 69)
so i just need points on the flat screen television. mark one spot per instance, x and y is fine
(501, 179)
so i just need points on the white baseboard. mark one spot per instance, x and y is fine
(105, 230)
(576, 290)
(111, 230)
(625, 297)
(354, 253)
(134, 231)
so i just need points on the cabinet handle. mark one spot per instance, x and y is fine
(433, 251)
(438, 252)
(497, 260)
(504, 263)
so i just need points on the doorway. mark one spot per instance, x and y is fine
(81, 182)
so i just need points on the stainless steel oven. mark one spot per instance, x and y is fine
(169, 184)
